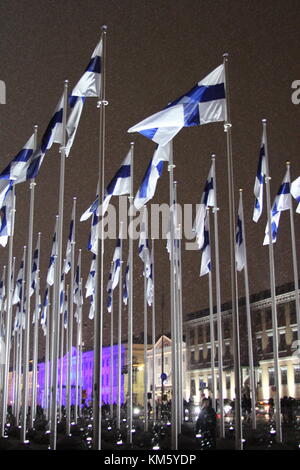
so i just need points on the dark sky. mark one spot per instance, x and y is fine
(156, 51)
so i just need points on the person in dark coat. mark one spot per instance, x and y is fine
(206, 425)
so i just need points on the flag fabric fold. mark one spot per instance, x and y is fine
(203, 104)
(281, 203)
(259, 181)
(147, 188)
(295, 192)
(51, 267)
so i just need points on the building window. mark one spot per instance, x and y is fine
(281, 315)
(134, 375)
(284, 376)
(259, 347)
(193, 387)
(192, 357)
(209, 383)
(201, 355)
(268, 319)
(200, 334)
(271, 377)
(282, 343)
(192, 336)
(297, 374)
(270, 344)
(208, 357)
(228, 382)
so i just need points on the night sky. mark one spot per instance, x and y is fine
(156, 51)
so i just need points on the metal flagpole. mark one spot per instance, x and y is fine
(295, 265)
(8, 322)
(58, 265)
(234, 294)
(47, 356)
(212, 327)
(52, 335)
(67, 343)
(80, 353)
(172, 306)
(77, 342)
(273, 294)
(35, 338)
(145, 331)
(130, 301)
(20, 382)
(98, 317)
(120, 334)
(111, 369)
(181, 325)
(145, 353)
(219, 308)
(153, 334)
(61, 353)
(2, 332)
(177, 311)
(32, 185)
(249, 326)
(70, 323)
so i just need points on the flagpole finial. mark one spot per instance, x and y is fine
(66, 82)
(132, 144)
(264, 121)
(104, 28)
(213, 156)
(241, 190)
(35, 127)
(288, 163)
(225, 56)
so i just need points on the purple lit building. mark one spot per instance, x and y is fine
(87, 376)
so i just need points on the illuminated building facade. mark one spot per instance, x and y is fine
(197, 330)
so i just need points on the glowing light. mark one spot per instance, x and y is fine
(197, 409)
(136, 411)
(156, 447)
(119, 443)
(227, 408)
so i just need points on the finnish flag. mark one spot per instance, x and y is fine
(71, 239)
(206, 251)
(207, 200)
(282, 203)
(7, 215)
(295, 192)
(203, 104)
(92, 307)
(90, 283)
(44, 311)
(89, 83)
(88, 86)
(18, 288)
(119, 185)
(53, 134)
(147, 188)
(239, 239)
(50, 274)
(260, 180)
(16, 170)
(34, 270)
